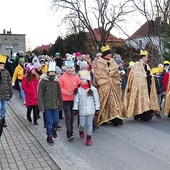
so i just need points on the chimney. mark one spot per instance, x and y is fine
(4, 31)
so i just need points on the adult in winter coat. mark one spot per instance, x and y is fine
(30, 85)
(6, 90)
(18, 75)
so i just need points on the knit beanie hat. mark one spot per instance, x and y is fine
(30, 67)
(21, 59)
(78, 54)
(37, 64)
(83, 64)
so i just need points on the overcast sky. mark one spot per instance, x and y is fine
(35, 19)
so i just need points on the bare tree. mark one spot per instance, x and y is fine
(154, 10)
(101, 14)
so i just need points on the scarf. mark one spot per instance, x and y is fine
(84, 86)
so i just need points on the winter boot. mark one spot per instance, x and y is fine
(4, 123)
(81, 134)
(54, 133)
(88, 140)
(50, 140)
(1, 127)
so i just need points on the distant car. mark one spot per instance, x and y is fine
(1, 127)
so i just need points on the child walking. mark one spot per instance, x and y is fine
(159, 85)
(69, 81)
(86, 103)
(50, 100)
(30, 85)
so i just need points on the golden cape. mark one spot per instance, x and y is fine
(136, 99)
(108, 82)
(167, 103)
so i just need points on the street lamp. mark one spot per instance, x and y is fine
(9, 48)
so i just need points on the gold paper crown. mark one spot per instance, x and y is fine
(143, 52)
(166, 62)
(155, 70)
(84, 73)
(3, 58)
(105, 48)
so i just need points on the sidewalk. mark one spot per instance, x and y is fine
(21, 146)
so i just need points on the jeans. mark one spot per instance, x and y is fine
(52, 119)
(22, 94)
(3, 105)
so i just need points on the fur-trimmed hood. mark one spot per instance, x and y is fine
(44, 77)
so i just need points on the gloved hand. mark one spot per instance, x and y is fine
(13, 84)
(76, 112)
(97, 112)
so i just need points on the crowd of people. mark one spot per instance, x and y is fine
(98, 91)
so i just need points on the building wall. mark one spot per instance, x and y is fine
(140, 43)
(17, 41)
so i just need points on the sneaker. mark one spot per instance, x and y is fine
(50, 140)
(54, 133)
(70, 136)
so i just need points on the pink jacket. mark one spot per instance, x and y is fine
(68, 83)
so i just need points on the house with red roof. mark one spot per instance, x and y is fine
(111, 40)
(44, 47)
(148, 33)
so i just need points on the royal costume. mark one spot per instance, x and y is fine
(140, 98)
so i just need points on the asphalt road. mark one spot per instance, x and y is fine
(136, 145)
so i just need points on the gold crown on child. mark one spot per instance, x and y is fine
(84, 73)
(3, 58)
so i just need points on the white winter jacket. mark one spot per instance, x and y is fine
(86, 105)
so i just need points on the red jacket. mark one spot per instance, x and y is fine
(68, 83)
(30, 89)
(165, 81)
